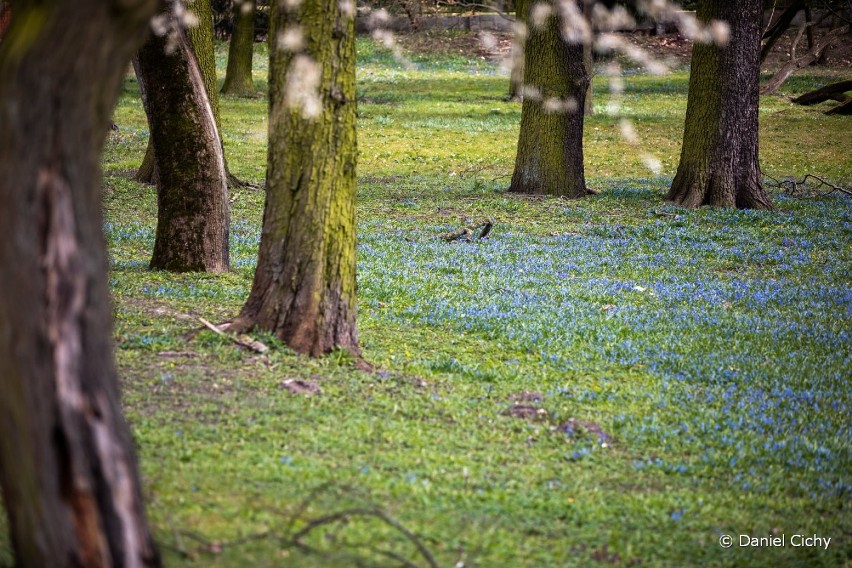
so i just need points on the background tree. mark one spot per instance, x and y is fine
(201, 40)
(719, 157)
(192, 201)
(550, 146)
(304, 284)
(238, 79)
(67, 466)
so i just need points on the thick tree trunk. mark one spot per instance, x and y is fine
(238, 79)
(192, 204)
(67, 466)
(550, 146)
(719, 159)
(519, 39)
(304, 285)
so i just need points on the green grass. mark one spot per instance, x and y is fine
(710, 347)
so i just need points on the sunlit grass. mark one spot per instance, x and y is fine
(710, 347)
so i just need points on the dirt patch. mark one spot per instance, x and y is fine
(493, 46)
(526, 411)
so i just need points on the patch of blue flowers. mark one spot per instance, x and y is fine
(742, 319)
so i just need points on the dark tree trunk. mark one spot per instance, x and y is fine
(238, 79)
(147, 172)
(777, 30)
(550, 146)
(719, 159)
(201, 40)
(304, 285)
(67, 466)
(519, 38)
(192, 203)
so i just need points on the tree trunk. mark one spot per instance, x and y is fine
(147, 172)
(304, 284)
(719, 159)
(550, 146)
(238, 79)
(201, 39)
(67, 466)
(589, 62)
(774, 33)
(519, 38)
(192, 204)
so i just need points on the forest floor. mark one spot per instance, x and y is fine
(609, 381)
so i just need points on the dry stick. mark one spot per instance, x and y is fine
(343, 515)
(245, 341)
(792, 186)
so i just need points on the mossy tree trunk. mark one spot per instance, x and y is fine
(192, 204)
(201, 39)
(550, 146)
(238, 79)
(304, 284)
(67, 466)
(719, 160)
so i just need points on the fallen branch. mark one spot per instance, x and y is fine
(345, 514)
(243, 340)
(832, 92)
(466, 233)
(795, 64)
(802, 190)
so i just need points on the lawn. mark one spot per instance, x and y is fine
(608, 381)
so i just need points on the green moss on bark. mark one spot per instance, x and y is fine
(304, 285)
(238, 80)
(550, 144)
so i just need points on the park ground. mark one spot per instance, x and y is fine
(611, 381)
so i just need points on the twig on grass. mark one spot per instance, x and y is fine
(243, 340)
(800, 188)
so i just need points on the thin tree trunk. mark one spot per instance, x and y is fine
(192, 204)
(719, 158)
(550, 146)
(238, 79)
(147, 172)
(304, 284)
(67, 466)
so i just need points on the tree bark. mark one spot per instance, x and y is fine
(550, 146)
(238, 79)
(67, 466)
(147, 172)
(719, 158)
(201, 39)
(304, 284)
(192, 204)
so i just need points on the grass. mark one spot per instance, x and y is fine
(611, 381)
